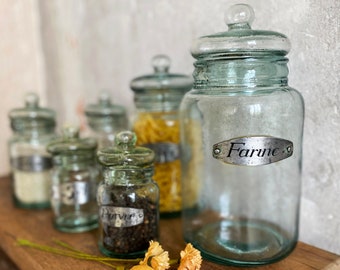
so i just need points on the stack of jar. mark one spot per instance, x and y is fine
(227, 154)
(116, 191)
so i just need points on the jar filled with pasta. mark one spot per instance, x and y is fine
(157, 98)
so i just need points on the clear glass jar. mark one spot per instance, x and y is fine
(75, 178)
(157, 98)
(33, 128)
(242, 128)
(128, 199)
(105, 120)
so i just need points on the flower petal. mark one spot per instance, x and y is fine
(190, 258)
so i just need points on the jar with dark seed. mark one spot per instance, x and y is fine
(128, 199)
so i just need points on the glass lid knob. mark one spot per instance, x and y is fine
(161, 63)
(125, 140)
(31, 100)
(104, 98)
(239, 16)
(71, 132)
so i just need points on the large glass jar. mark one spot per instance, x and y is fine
(157, 98)
(75, 178)
(128, 199)
(105, 119)
(242, 128)
(33, 128)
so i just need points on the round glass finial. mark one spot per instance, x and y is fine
(126, 140)
(240, 14)
(31, 100)
(71, 132)
(161, 63)
(104, 98)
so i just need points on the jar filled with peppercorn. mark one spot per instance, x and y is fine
(157, 98)
(128, 198)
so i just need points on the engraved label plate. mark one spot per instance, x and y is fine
(31, 163)
(121, 216)
(75, 193)
(253, 150)
(164, 152)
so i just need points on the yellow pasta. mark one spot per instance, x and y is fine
(155, 128)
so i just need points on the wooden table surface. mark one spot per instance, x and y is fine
(36, 226)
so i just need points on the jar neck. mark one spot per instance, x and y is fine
(158, 101)
(128, 177)
(241, 71)
(74, 161)
(32, 128)
(107, 124)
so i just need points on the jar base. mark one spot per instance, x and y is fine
(33, 205)
(169, 215)
(132, 255)
(243, 243)
(73, 223)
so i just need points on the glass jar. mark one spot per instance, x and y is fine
(33, 128)
(74, 182)
(105, 120)
(157, 98)
(128, 199)
(242, 128)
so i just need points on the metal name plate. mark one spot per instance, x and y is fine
(121, 216)
(74, 193)
(31, 163)
(164, 152)
(253, 150)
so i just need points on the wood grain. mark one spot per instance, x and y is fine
(36, 226)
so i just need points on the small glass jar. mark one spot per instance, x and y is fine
(105, 120)
(128, 199)
(157, 98)
(242, 128)
(33, 128)
(74, 182)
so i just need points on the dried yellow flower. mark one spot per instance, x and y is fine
(156, 257)
(160, 262)
(190, 258)
(141, 267)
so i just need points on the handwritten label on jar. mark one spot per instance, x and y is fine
(121, 216)
(72, 193)
(164, 152)
(253, 150)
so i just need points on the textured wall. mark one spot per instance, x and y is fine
(21, 66)
(69, 50)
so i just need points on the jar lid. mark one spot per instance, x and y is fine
(32, 113)
(240, 39)
(161, 79)
(104, 107)
(70, 143)
(126, 154)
